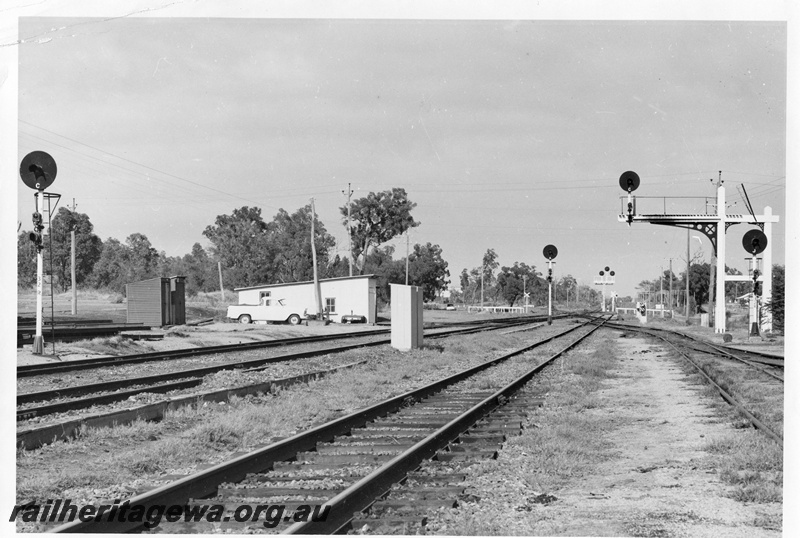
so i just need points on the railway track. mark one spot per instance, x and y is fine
(120, 389)
(32, 370)
(74, 398)
(351, 463)
(754, 359)
(733, 382)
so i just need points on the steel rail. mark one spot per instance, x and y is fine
(51, 368)
(33, 438)
(83, 364)
(717, 349)
(151, 383)
(765, 358)
(205, 483)
(361, 494)
(757, 423)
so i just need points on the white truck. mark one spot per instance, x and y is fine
(280, 310)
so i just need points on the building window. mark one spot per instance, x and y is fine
(330, 305)
(263, 298)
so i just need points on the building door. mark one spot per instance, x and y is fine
(373, 305)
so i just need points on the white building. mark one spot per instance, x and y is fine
(342, 296)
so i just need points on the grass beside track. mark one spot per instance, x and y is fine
(558, 445)
(751, 464)
(114, 463)
(571, 436)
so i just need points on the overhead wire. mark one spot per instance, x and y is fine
(182, 192)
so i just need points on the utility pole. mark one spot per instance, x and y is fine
(221, 289)
(317, 290)
(349, 193)
(72, 263)
(670, 288)
(407, 240)
(524, 292)
(483, 268)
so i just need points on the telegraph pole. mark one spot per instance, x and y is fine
(349, 193)
(483, 268)
(670, 288)
(221, 289)
(524, 292)
(407, 241)
(72, 263)
(317, 290)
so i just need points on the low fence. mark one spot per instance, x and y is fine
(497, 309)
(651, 312)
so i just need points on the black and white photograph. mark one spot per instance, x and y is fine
(399, 267)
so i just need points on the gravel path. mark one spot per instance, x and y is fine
(657, 485)
(655, 478)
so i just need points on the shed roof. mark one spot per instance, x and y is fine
(284, 284)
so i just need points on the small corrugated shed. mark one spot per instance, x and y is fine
(157, 301)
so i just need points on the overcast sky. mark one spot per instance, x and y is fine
(507, 134)
(508, 124)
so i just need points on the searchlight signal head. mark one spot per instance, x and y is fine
(629, 182)
(754, 242)
(38, 170)
(550, 252)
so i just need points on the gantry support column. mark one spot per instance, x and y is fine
(719, 309)
(766, 271)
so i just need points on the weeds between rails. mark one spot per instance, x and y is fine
(733, 383)
(47, 432)
(263, 458)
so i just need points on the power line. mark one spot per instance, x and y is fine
(138, 164)
(183, 194)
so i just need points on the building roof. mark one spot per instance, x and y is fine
(283, 284)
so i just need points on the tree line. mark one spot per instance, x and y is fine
(700, 289)
(508, 285)
(250, 249)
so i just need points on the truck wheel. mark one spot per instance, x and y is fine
(294, 319)
(245, 318)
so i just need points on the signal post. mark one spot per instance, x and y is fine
(38, 171)
(714, 226)
(606, 280)
(550, 252)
